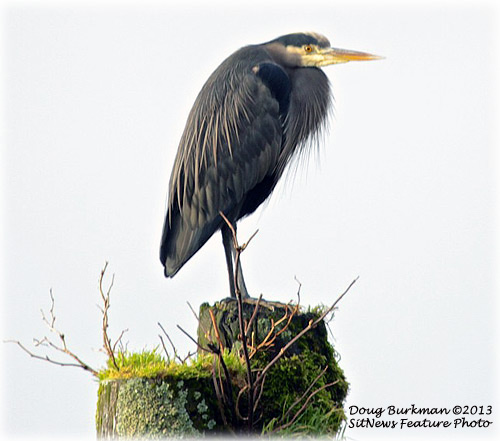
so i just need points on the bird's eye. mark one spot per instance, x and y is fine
(308, 48)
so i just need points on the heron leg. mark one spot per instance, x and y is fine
(227, 240)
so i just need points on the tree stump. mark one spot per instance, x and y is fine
(155, 407)
(181, 400)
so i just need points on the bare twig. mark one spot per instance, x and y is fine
(306, 392)
(237, 408)
(243, 247)
(259, 396)
(271, 336)
(304, 406)
(176, 355)
(50, 322)
(193, 311)
(298, 290)
(229, 395)
(250, 378)
(216, 329)
(220, 353)
(119, 340)
(105, 319)
(219, 388)
(79, 363)
(252, 318)
(164, 348)
(220, 400)
(194, 341)
(211, 349)
(312, 324)
(188, 356)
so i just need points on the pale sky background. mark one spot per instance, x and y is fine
(403, 195)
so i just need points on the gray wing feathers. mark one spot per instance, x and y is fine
(232, 140)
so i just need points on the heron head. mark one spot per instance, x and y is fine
(313, 50)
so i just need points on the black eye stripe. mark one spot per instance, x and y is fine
(297, 40)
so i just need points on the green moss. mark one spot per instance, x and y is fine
(150, 364)
(287, 382)
(313, 422)
(145, 364)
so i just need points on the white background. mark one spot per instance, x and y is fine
(402, 194)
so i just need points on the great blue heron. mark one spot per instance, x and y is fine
(253, 115)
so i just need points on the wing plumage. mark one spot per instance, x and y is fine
(231, 144)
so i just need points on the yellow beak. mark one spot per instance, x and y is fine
(336, 56)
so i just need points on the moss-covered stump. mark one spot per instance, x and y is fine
(225, 314)
(155, 408)
(146, 395)
(290, 378)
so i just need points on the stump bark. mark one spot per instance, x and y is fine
(183, 402)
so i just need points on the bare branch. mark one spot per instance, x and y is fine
(220, 400)
(259, 395)
(229, 395)
(229, 224)
(252, 318)
(250, 378)
(306, 392)
(193, 311)
(216, 329)
(119, 340)
(188, 356)
(164, 348)
(51, 311)
(80, 364)
(243, 247)
(50, 322)
(237, 407)
(64, 349)
(312, 324)
(105, 320)
(222, 397)
(271, 336)
(304, 406)
(176, 355)
(195, 342)
(298, 290)
(48, 343)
